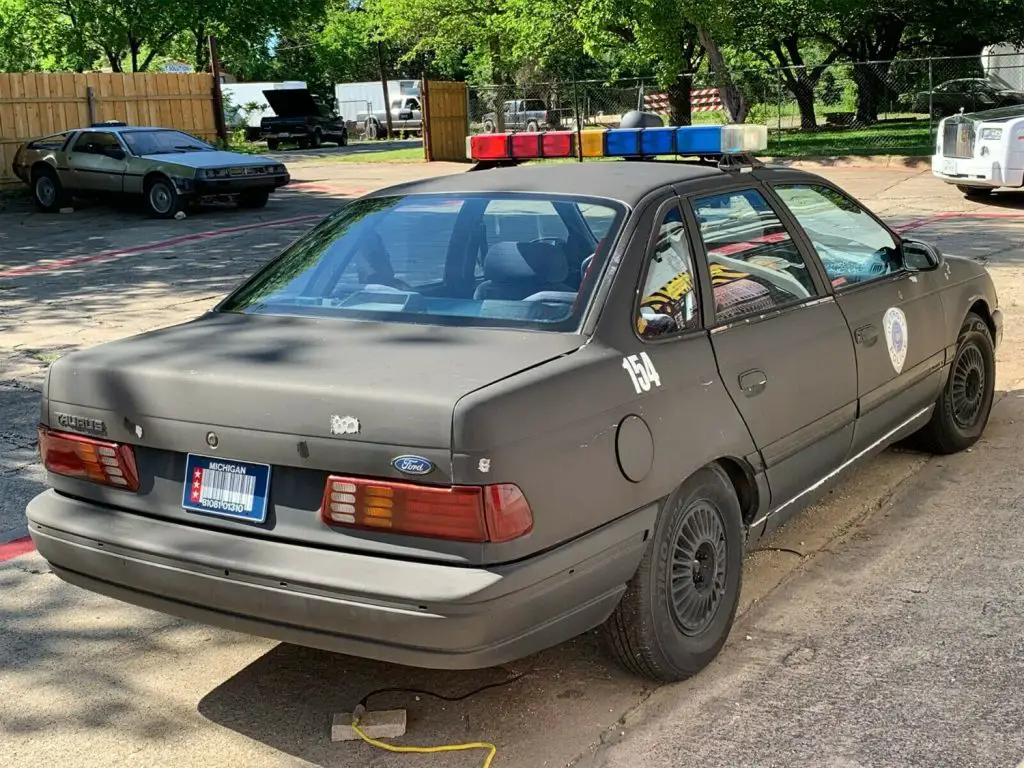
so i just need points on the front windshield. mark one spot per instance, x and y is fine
(163, 142)
(521, 261)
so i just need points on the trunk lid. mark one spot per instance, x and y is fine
(308, 397)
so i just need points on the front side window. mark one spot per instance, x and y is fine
(755, 264)
(668, 301)
(477, 260)
(852, 246)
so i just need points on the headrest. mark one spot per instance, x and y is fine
(540, 262)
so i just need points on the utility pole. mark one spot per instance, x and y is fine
(384, 85)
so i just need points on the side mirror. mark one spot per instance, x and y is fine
(920, 257)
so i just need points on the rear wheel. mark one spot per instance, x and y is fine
(532, 126)
(962, 410)
(254, 199)
(162, 199)
(318, 139)
(372, 130)
(47, 192)
(679, 607)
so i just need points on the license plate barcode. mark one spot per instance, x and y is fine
(217, 487)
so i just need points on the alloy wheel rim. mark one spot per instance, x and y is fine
(967, 390)
(698, 568)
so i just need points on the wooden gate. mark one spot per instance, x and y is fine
(35, 104)
(445, 120)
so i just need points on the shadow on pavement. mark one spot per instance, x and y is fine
(567, 698)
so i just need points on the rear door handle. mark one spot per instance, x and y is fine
(866, 335)
(753, 382)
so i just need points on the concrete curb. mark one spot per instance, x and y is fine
(860, 162)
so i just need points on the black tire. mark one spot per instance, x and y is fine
(490, 127)
(648, 634)
(532, 126)
(161, 198)
(318, 139)
(47, 192)
(273, 144)
(978, 192)
(254, 199)
(343, 139)
(372, 130)
(962, 410)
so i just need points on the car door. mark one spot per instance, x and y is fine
(97, 162)
(783, 347)
(895, 313)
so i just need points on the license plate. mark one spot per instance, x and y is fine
(949, 167)
(227, 488)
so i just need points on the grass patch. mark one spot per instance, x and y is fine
(893, 138)
(404, 155)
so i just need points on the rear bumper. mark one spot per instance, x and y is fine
(418, 614)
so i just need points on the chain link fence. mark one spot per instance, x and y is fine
(863, 108)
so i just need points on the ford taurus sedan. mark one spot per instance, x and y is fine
(471, 417)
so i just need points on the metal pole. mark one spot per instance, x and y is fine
(579, 119)
(931, 105)
(90, 94)
(218, 95)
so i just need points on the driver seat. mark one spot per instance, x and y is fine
(513, 271)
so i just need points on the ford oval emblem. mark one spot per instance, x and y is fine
(413, 465)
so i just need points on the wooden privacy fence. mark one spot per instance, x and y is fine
(38, 104)
(445, 120)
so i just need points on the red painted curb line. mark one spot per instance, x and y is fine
(13, 549)
(33, 269)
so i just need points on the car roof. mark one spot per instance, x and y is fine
(125, 128)
(627, 182)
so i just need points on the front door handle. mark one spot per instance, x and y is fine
(753, 382)
(866, 335)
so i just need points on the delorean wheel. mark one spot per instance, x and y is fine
(679, 607)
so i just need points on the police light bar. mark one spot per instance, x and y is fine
(686, 140)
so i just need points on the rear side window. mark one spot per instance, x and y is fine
(54, 142)
(478, 260)
(754, 263)
(668, 302)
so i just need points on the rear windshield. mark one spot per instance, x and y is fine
(521, 261)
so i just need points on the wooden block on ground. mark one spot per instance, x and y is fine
(383, 724)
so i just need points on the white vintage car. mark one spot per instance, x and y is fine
(981, 151)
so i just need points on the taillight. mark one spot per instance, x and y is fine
(99, 461)
(491, 513)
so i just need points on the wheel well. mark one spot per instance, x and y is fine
(151, 177)
(742, 479)
(38, 167)
(980, 308)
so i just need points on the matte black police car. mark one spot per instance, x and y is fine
(470, 417)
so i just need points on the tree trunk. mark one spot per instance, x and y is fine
(803, 90)
(202, 51)
(871, 87)
(498, 76)
(733, 100)
(680, 106)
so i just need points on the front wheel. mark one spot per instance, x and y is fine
(162, 199)
(962, 410)
(679, 607)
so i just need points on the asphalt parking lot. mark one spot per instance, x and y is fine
(882, 627)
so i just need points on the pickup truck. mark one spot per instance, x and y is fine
(302, 118)
(406, 117)
(528, 115)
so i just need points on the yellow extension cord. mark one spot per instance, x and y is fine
(491, 749)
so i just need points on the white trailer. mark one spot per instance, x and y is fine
(238, 95)
(1005, 63)
(355, 99)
